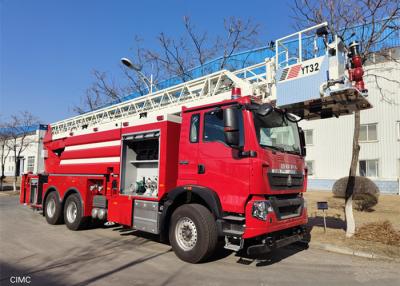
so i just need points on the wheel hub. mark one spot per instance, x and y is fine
(186, 233)
(51, 208)
(72, 212)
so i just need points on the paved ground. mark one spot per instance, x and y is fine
(53, 255)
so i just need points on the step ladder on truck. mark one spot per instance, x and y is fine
(216, 158)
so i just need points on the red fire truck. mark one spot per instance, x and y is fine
(195, 163)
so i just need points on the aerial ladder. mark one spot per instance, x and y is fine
(313, 75)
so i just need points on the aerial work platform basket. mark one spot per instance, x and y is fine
(317, 76)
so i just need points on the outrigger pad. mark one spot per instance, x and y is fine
(339, 102)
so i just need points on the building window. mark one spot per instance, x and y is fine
(368, 132)
(310, 167)
(369, 168)
(31, 163)
(308, 134)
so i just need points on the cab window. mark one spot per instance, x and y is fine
(194, 128)
(214, 126)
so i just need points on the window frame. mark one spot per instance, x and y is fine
(312, 136)
(205, 140)
(198, 128)
(367, 162)
(367, 133)
(313, 168)
(30, 165)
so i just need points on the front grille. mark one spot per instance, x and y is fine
(285, 208)
(278, 181)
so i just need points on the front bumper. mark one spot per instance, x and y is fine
(276, 240)
(274, 221)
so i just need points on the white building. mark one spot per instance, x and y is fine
(329, 141)
(29, 160)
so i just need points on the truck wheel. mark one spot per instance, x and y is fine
(53, 209)
(193, 233)
(73, 213)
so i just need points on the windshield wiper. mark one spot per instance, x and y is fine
(293, 152)
(281, 149)
(274, 147)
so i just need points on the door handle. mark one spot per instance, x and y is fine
(201, 169)
(184, 162)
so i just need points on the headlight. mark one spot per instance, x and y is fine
(261, 209)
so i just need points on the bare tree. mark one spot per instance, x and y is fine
(19, 128)
(372, 22)
(4, 150)
(102, 91)
(174, 57)
(240, 35)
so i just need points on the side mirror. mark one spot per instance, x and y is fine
(231, 127)
(264, 109)
(302, 142)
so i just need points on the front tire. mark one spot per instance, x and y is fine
(53, 209)
(73, 213)
(193, 233)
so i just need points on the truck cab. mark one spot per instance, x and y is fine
(250, 157)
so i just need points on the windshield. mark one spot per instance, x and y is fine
(277, 132)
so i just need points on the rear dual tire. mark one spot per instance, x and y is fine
(73, 213)
(193, 233)
(53, 209)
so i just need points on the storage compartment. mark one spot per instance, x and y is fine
(140, 164)
(146, 216)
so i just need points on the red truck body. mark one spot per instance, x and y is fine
(231, 170)
(227, 181)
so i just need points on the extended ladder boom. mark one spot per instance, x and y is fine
(207, 89)
(308, 76)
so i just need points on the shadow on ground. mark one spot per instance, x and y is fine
(10, 273)
(275, 256)
(264, 260)
(331, 222)
(72, 262)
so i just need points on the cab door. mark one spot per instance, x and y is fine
(188, 150)
(220, 168)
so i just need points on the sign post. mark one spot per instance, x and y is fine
(323, 206)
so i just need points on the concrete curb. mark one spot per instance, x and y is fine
(349, 251)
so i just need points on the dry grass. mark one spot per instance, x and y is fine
(379, 231)
(372, 234)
